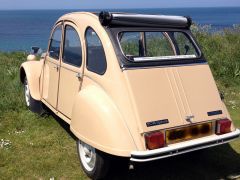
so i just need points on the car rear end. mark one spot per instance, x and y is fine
(176, 101)
(179, 110)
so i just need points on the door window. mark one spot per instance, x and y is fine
(96, 60)
(72, 53)
(55, 44)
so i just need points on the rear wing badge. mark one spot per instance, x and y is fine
(155, 123)
(213, 113)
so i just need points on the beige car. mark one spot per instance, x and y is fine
(129, 85)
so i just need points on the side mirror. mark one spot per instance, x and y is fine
(36, 50)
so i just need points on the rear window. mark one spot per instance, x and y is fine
(155, 46)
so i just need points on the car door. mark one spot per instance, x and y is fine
(51, 67)
(71, 69)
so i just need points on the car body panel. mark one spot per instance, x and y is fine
(203, 96)
(173, 95)
(97, 121)
(50, 81)
(69, 84)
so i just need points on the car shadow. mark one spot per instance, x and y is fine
(61, 122)
(220, 162)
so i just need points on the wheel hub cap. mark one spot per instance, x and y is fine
(87, 156)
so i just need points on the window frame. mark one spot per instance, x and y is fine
(63, 48)
(86, 45)
(59, 24)
(171, 42)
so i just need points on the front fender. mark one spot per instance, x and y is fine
(97, 121)
(32, 71)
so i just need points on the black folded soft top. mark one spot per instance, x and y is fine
(143, 20)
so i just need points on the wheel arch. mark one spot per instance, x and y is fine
(22, 74)
(97, 121)
(32, 71)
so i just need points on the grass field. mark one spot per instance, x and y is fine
(33, 147)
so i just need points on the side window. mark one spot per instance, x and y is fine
(96, 60)
(55, 44)
(72, 52)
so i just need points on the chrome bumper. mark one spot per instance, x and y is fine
(183, 147)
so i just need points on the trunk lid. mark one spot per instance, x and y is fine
(163, 97)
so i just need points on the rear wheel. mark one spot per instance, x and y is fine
(94, 163)
(32, 104)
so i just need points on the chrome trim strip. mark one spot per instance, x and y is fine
(183, 147)
(159, 58)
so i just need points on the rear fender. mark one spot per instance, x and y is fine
(32, 71)
(97, 121)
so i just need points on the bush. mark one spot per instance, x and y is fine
(222, 50)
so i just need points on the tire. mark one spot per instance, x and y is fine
(34, 105)
(94, 163)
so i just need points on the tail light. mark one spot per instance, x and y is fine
(154, 140)
(223, 126)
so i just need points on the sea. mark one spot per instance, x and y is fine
(22, 29)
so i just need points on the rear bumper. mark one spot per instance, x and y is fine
(183, 147)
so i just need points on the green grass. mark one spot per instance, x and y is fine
(33, 147)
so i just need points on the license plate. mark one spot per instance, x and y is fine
(187, 133)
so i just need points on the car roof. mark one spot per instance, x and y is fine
(113, 19)
(75, 15)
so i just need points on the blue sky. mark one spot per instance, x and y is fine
(116, 4)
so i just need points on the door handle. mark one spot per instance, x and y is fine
(56, 67)
(79, 76)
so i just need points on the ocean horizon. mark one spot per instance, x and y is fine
(21, 29)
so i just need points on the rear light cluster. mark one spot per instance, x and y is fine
(154, 140)
(223, 126)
